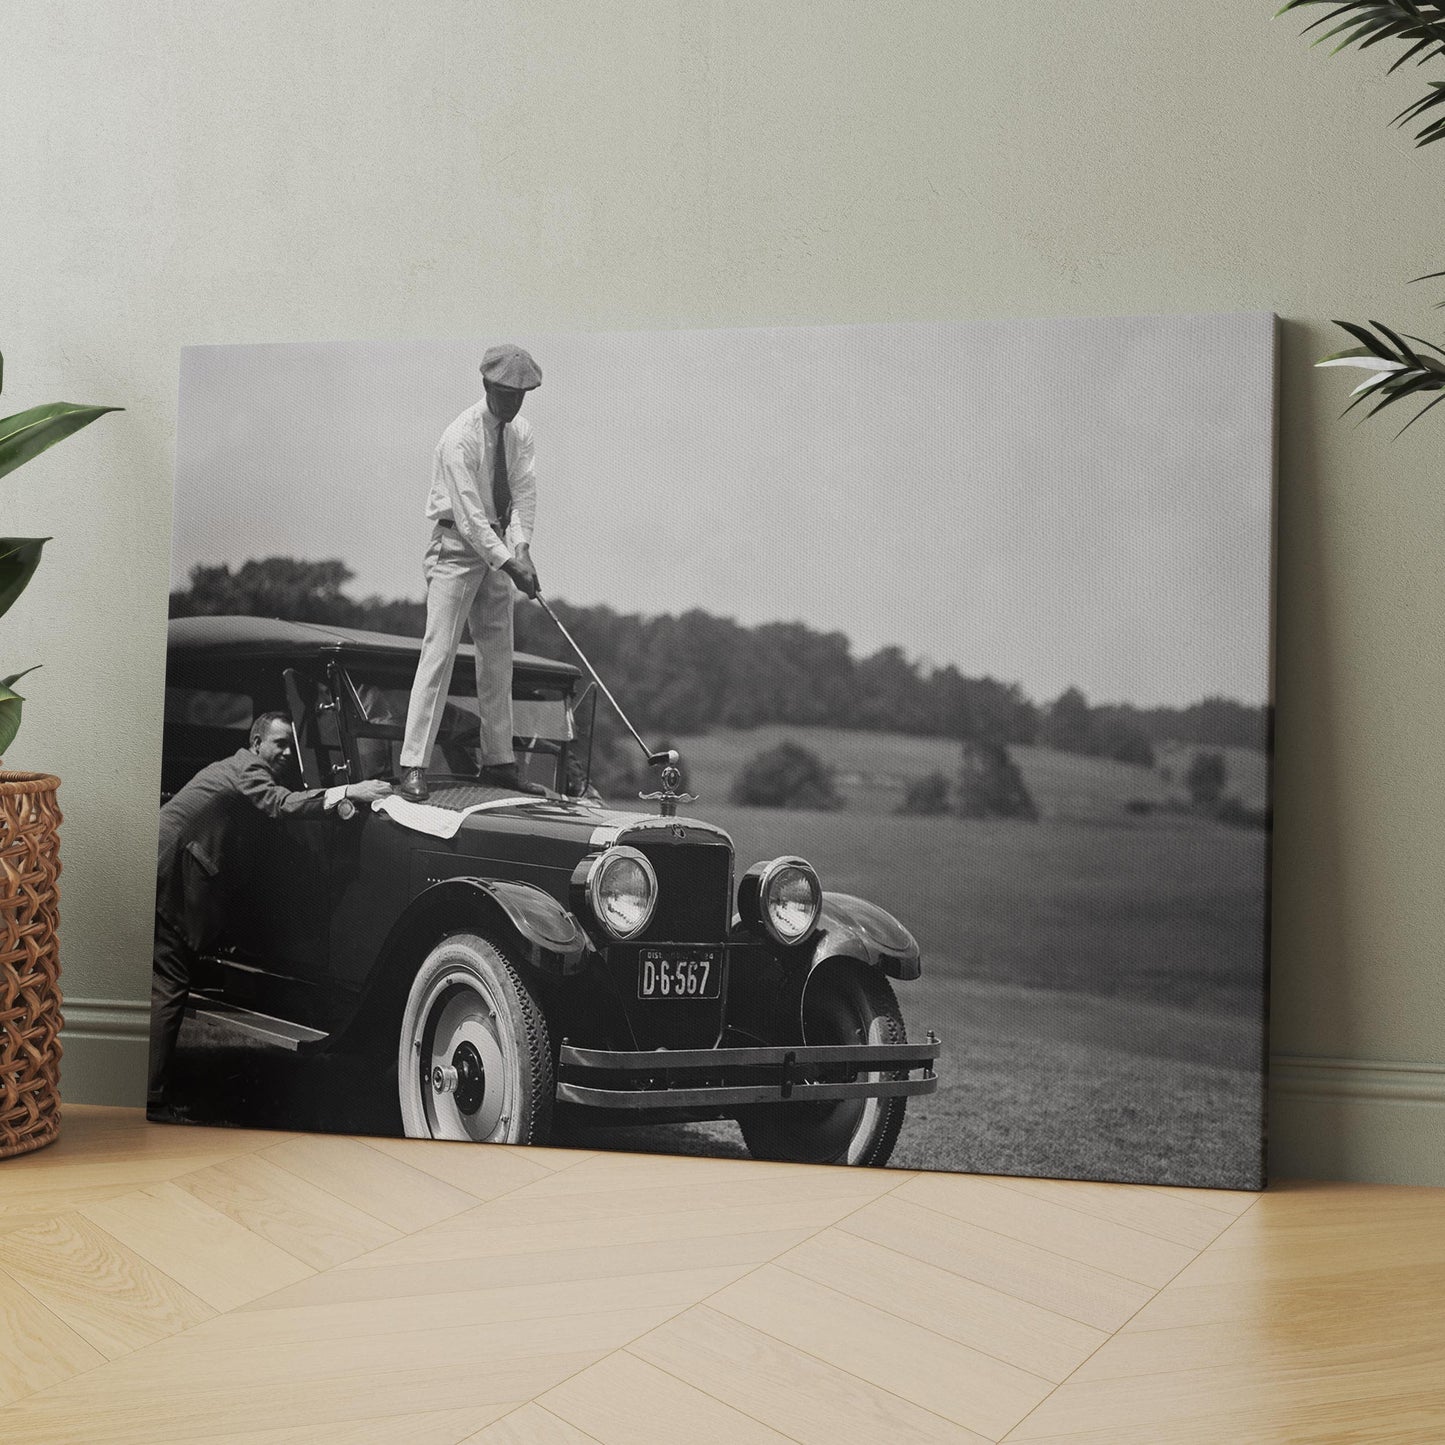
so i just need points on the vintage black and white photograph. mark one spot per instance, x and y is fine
(844, 745)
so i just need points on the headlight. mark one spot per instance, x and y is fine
(622, 891)
(783, 897)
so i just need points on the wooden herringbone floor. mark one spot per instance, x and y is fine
(161, 1284)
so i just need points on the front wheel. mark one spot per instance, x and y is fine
(474, 1059)
(844, 1004)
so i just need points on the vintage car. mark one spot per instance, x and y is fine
(513, 953)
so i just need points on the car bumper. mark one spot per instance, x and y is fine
(737, 1078)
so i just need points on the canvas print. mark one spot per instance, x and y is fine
(846, 745)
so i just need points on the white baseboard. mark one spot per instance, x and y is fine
(104, 1044)
(106, 1018)
(1295, 1076)
(1354, 1119)
(1364, 1120)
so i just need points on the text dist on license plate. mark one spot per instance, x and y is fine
(675, 974)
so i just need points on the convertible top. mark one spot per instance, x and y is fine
(193, 639)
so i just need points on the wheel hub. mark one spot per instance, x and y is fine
(465, 1078)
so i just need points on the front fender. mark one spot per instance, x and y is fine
(854, 928)
(556, 938)
(553, 939)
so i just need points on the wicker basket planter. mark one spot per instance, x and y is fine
(29, 962)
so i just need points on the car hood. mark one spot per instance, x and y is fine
(555, 832)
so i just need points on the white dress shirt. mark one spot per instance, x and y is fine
(461, 488)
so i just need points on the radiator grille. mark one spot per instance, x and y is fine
(694, 886)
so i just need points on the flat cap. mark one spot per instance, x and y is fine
(509, 365)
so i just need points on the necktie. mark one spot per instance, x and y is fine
(501, 487)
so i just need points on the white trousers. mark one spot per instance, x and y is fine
(461, 588)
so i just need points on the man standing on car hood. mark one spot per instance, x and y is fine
(483, 503)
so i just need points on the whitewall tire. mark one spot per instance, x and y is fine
(474, 1058)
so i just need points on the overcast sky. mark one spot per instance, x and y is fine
(1050, 502)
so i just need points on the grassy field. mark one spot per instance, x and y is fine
(1057, 1086)
(1097, 978)
(1099, 990)
(1168, 911)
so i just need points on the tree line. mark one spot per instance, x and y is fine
(683, 675)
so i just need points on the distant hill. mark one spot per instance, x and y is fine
(1065, 785)
(874, 769)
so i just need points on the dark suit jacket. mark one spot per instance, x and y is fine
(203, 836)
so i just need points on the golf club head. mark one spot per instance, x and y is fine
(668, 758)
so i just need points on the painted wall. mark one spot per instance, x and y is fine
(254, 171)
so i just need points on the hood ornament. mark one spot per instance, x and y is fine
(667, 758)
(668, 799)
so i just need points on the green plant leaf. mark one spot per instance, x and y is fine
(1399, 371)
(1406, 353)
(1418, 415)
(1420, 45)
(28, 433)
(10, 704)
(1363, 23)
(1358, 356)
(1372, 346)
(19, 557)
(1420, 341)
(1392, 394)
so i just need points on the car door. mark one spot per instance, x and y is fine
(369, 861)
(278, 936)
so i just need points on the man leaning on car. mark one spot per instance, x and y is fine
(198, 861)
(482, 504)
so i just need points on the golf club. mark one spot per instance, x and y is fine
(667, 757)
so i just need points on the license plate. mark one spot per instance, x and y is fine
(679, 973)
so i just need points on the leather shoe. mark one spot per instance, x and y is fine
(509, 775)
(413, 785)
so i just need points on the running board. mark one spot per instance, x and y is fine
(262, 1027)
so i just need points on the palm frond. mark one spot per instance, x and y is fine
(1418, 415)
(1401, 350)
(1420, 341)
(1429, 276)
(1419, 24)
(1397, 370)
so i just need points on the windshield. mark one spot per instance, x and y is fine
(376, 701)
